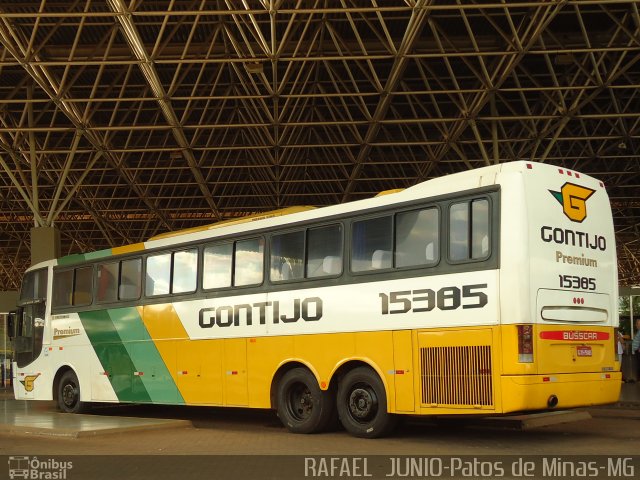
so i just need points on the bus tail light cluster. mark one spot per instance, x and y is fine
(525, 343)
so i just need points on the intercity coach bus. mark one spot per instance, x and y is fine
(484, 292)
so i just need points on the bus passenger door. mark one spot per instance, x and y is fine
(234, 371)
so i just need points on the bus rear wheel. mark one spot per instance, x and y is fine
(302, 406)
(69, 394)
(362, 404)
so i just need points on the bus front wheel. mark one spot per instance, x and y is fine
(362, 404)
(69, 394)
(302, 406)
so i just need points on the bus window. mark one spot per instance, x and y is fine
(119, 280)
(324, 251)
(107, 283)
(469, 230)
(371, 244)
(62, 288)
(459, 231)
(479, 229)
(248, 264)
(158, 274)
(83, 286)
(417, 236)
(287, 256)
(185, 269)
(217, 266)
(130, 279)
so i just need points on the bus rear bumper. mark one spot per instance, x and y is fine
(535, 392)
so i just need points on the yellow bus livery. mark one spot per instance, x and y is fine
(485, 292)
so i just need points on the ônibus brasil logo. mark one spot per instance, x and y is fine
(573, 199)
(34, 469)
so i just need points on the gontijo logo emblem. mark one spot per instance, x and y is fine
(573, 199)
(28, 382)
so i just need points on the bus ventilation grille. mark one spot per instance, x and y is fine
(457, 376)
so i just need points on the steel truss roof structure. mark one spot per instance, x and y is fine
(121, 119)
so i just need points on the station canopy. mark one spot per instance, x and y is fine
(124, 119)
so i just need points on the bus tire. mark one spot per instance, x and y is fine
(302, 406)
(69, 394)
(362, 404)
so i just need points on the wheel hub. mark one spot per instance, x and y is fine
(363, 403)
(69, 394)
(302, 403)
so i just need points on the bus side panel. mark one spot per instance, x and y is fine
(264, 356)
(129, 356)
(70, 345)
(235, 372)
(404, 370)
(199, 371)
(195, 365)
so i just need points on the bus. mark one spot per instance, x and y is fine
(483, 292)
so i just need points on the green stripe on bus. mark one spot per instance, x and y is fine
(113, 356)
(150, 368)
(83, 257)
(98, 254)
(71, 259)
(127, 352)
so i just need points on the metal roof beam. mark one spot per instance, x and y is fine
(130, 32)
(412, 32)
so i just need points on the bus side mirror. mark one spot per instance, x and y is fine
(11, 325)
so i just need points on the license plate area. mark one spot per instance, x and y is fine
(584, 351)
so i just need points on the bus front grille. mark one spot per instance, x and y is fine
(457, 376)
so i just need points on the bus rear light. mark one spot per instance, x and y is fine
(525, 343)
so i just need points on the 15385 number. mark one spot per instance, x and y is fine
(577, 283)
(426, 299)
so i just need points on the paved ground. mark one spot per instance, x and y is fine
(611, 431)
(235, 444)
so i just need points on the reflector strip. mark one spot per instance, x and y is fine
(574, 335)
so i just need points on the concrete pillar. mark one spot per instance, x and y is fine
(8, 301)
(45, 244)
